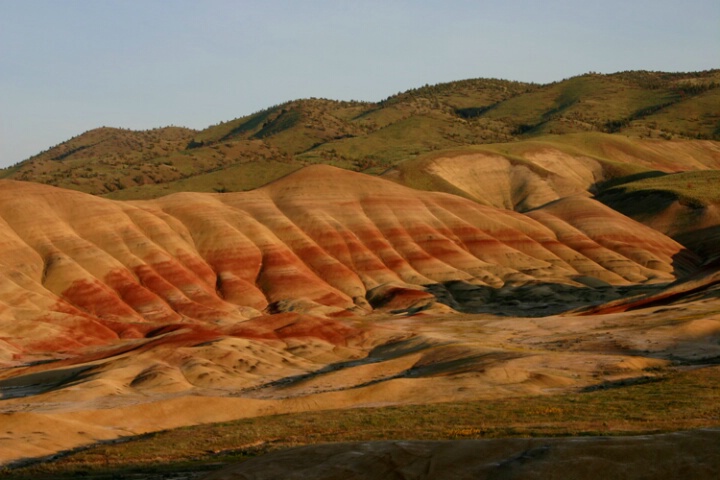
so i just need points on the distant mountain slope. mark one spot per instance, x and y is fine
(372, 137)
(104, 159)
(81, 270)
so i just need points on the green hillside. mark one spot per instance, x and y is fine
(371, 137)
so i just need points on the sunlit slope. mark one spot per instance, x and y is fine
(82, 270)
(528, 174)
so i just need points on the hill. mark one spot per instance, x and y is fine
(544, 256)
(247, 152)
(325, 289)
(684, 206)
(527, 174)
(321, 240)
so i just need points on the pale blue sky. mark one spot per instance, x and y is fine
(67, 66)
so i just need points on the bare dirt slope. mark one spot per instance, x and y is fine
(529, 174)
(290, 363)
(81, 270)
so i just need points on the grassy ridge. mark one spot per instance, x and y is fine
(697, 189)
(661, 402)
(374, 136)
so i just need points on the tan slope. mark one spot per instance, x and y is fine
(525, 175)
(494, 179)
(80, 270)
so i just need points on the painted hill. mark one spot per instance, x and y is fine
(684, 206)
(672, 187)
(321, 240)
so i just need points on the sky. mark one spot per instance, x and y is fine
(68, 66)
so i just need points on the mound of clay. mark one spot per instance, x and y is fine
(499, 181)
(691, 454)
(80, 270)
(527, 175)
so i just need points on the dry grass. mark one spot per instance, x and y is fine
(694, 188)
(676, 400)
(373, 136)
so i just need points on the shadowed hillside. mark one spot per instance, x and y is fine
(684, 206)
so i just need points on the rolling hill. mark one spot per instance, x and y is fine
(250, 151)
(458, 244)
(321, 240)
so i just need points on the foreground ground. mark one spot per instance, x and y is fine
(671, 399)
(432, 376)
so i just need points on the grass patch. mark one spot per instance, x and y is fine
(235, 178)
(677, 400)
(697, 188)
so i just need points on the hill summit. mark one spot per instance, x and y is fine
(250, 151)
